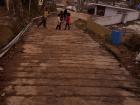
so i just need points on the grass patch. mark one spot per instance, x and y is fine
(133, 42)
(81, 24)
(6, 35)
(8, 32)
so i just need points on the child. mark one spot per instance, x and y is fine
(65, 14)
(68, 21)
(43, 21)
(61, 16)
(138, 58)
(44, 18)
(58, 22)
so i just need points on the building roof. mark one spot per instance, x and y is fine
(60, 5)
(115, 7)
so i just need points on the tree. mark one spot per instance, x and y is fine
(133, 3)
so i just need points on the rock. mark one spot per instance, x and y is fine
(129, 67)
(1, 69)
(122, 68)
(136, 62)
(3, 94)
(138, 58)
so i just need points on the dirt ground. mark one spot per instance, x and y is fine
(9, 27)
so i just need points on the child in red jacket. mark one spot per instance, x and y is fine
(68, 21)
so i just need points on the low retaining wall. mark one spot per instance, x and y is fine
(97, 28)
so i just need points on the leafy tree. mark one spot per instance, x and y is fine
(133, 3)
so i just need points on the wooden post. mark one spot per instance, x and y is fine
(30, 7)
(7, 4)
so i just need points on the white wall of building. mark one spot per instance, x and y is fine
(108, 20)
(132, 16)
(115, 16)
(110, 11)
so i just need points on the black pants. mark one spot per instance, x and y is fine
(43, 22)
(67, 26)
(58, 26)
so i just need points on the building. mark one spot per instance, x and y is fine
(107, 15)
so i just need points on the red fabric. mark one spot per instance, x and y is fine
(68, 19)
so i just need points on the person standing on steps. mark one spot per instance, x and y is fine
(46, 13)
(68, 21)
(65, 14)
(44, 18)
(58, 22)
(61, 16)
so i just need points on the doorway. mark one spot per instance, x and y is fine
(91, 11)
(100, 10)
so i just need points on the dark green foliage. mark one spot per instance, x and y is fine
(133, 42)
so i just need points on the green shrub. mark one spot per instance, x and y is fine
(133, 42)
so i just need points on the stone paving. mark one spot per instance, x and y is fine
(52, 67)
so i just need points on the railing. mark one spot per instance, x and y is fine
(6, 48)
